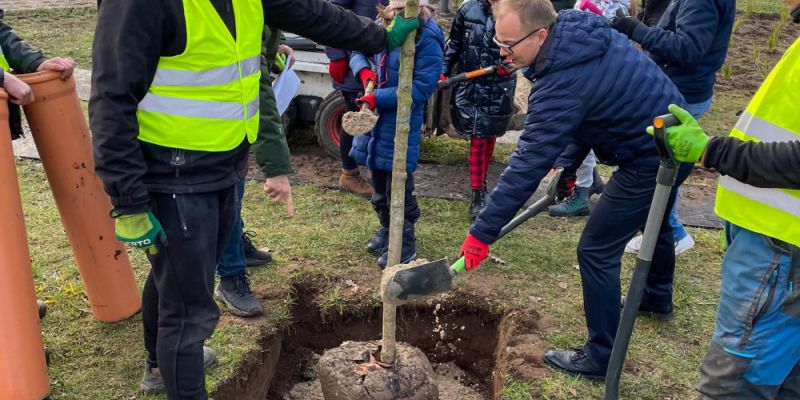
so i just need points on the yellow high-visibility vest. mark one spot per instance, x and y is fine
(3, 62)
(206, 98)
(771, 116)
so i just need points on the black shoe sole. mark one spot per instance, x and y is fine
(574, 373)
(254, 262)
(578, 214)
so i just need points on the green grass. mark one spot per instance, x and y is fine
(721, 118)
(323, 244)
(449, 151)
(59, 32)
(760, 6)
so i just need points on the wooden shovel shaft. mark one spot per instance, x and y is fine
(367, 91)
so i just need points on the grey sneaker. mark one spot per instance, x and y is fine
(153, 384)
(235, 292)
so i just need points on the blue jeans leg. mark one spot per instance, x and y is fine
(232, 261)
(678, 231)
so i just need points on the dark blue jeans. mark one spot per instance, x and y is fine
(233, 261)
(619, 215)
(178, 308)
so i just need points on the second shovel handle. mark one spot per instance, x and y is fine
(367, 91)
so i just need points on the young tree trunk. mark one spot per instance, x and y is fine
(404, 102)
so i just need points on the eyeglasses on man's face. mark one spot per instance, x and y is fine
(509, 47)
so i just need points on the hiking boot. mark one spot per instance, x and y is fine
(681, 246)
(663, 314)
(597, 184)
(576, 362)
(409, 251)
(350, 180)
(380, 242)
(476, 203)
(575, 205)
(235, 292)
(253, 256)
(153, 384)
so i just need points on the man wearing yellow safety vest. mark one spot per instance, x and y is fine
(755, 348)
(17, 55)
(173, 111)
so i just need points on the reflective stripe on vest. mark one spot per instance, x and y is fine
(3, 62)
(771, 116)
(207, 97)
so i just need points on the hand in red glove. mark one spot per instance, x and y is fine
(369, 100)
(502, 69)
(366, 75)
(442, 77)
(474, 252)
(338, 70)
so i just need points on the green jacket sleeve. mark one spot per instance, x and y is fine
(271, 149)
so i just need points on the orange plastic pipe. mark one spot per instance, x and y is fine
(62, 138)
(23, 370)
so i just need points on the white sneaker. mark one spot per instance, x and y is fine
(681, 246)
(684, 245)
(634, 245)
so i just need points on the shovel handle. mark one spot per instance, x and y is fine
(464, 76)
(459, 266)
(367, 91)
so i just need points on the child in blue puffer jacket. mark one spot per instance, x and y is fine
(376, 149)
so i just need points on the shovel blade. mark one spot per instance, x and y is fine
(419, 281)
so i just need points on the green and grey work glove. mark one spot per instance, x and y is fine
(142, 231)
(688, 141)
(398, 31)
(279, 64)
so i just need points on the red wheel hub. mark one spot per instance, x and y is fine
(335, 125)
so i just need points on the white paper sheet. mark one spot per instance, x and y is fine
(286, 86)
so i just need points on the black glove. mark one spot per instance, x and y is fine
(626, 25)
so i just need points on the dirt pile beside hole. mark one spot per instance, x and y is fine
(349, 372)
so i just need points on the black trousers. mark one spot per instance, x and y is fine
(178, 308)
(382, 199)
(619, 215)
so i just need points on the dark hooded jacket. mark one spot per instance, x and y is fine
(483, 106)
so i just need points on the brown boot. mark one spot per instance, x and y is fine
(351, 181)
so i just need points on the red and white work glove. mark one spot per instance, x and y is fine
(366, 75)
(474, 252)
(502, 69)
(338, 70)
(369, 100)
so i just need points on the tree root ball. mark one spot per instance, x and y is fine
(359, 123)
(350, 372)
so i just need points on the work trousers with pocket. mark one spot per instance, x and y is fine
(755, 348)
(178, 308)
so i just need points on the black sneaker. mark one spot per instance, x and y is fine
(575, 362)
(663, 314)
(235, 292)
(477, 202)
(253, 256)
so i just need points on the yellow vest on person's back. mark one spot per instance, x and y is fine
(773, 115)
(3, 62)
(206, 98)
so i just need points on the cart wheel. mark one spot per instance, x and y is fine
(328, 123)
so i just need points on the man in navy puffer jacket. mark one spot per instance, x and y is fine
(591, 89)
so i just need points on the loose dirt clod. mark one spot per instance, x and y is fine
(349, 372)
(357, 123)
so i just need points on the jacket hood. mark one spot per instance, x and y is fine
(576, 37)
